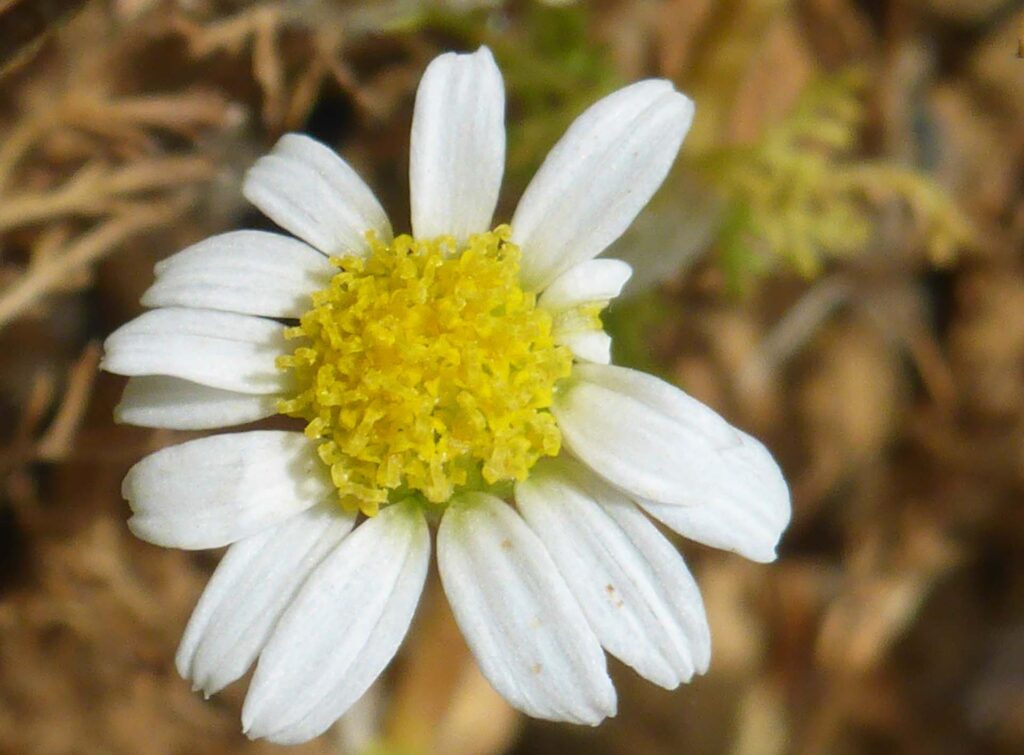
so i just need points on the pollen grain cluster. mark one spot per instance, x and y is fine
(424, 367)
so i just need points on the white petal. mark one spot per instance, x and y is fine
(522, 623)
(341, 630)
(457, 152)
(654, 441)
(214, 491)
(588, 345)
(219, 349)
(250, 272)
(598, 177)
(251, 588)
(633, 586)
(590, 281)
(307, 189)
(159, 401)
(751, 531)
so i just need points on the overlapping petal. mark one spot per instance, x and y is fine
(252, 586)
(217, 490)
(175, 404)
(217, 349)
(590, 281)
(633, 586)
(342, 629)
(654, 441)
(249, 272)
(751, 531)
(588, 345)
(518, 616)
(307, 189)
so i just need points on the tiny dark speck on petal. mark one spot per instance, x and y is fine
(536, 668)
(506, 544)
(610, 589)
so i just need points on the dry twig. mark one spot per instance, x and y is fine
(84, 251)
(61, 433)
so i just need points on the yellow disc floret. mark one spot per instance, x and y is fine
(424, 367)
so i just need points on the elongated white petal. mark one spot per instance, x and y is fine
(250, 272)
(588, 345)
(217, 490)
(341, 630)
(589, 281)
(219, 349)
(598, 177)
(633, 586)
(252, 586)
(457, 152)
(751, 531)
(159, 401)
(520, 619)
(307, 189)
(654, 441)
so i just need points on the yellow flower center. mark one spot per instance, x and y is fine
(424, 367)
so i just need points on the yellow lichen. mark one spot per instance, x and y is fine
(799, 195)
(424, 367)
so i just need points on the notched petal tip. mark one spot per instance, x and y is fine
(145, 528)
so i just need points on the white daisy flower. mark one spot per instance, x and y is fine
(459, 377)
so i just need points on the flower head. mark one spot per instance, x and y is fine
(457, 375)
(424, 367)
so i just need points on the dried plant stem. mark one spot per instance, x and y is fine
(61, 433)
(231, 33)
(261, 24)
(123, 119)
(16, 144)
(49, 275)
(793, 331)
(180, 113)
(93, 190)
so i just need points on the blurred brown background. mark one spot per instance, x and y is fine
(835, 264)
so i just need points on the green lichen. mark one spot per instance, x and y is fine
(798, 196)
